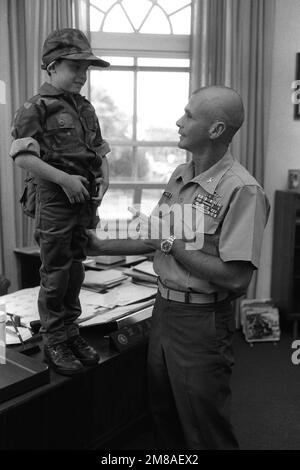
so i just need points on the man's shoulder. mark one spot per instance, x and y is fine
(180, 169)
(241, 175)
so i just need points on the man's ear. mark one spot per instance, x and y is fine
(217, 129)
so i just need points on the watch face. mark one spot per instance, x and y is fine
(166, 246)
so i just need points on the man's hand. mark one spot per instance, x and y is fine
(75, 188)
(92, 248)
(152, 229)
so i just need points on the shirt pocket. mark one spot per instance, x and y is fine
(210, 224)
(206, 233)
(61, 129)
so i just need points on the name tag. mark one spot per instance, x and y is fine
(207, 204)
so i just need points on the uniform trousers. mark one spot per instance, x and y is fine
(60, 233)
(190, 361)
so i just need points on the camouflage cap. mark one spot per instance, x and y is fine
(69, 43)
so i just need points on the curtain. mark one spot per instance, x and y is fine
(231, 45)
(24, 25)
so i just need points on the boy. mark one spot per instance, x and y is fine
(58, 139)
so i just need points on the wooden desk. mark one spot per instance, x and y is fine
(87, 411)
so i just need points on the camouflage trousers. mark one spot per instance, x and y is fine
(60, 233)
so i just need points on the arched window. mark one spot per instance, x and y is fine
(141, 96)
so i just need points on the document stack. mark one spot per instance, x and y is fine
(143, 273)
(260, 320)
(97, 280)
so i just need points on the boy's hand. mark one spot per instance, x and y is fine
(75, 188)
(103, 186)
(102, 181)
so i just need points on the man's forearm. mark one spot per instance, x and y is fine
(119, 247)
(233, 276)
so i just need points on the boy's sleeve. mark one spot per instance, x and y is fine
(27, 121)
(23, 146)
(25, 129)
(103, 149)
(101, 145)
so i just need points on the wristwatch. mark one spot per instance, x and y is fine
(166, 245)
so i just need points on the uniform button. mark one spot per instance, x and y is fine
(61, 122)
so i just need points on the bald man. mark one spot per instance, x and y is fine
(200, 272)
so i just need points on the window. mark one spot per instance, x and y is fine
(140, 97)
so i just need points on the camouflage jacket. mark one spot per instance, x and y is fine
(67, 129)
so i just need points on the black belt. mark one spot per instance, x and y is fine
(190, 297)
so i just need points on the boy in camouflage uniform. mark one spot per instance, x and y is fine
(58, 139)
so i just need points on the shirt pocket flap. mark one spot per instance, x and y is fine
(210, 224)
(60, 121)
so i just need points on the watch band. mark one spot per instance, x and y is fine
(166, 245)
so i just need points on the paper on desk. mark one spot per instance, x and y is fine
(12, 337)
(126, 294)
(23, 303)
(105, 315)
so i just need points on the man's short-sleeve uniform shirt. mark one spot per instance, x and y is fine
(233, 210)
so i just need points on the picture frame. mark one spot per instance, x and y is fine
(297, 77)
(294, 180)
(259, 320)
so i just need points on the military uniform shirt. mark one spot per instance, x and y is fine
(66, 127)
(235, 213)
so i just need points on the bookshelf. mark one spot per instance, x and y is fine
(285, 282)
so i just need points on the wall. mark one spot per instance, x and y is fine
(283, 150)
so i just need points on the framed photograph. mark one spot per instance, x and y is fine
(294, 180)
(297, 77)
(260, 320)
(262, 326)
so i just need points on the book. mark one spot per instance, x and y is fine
(146, 267)
(103, 279)
(139, 276)
(109, 259)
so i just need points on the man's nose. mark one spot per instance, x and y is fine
(178, 123)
